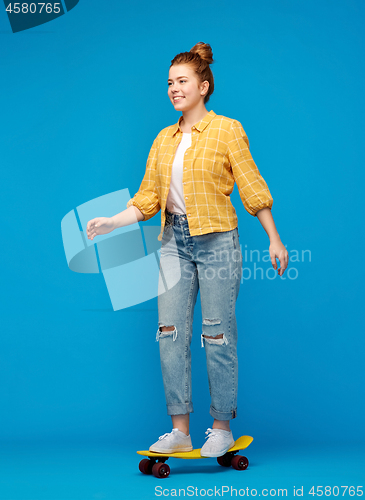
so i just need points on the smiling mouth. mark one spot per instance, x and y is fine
(176, 99)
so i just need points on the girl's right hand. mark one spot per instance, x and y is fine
(100, 225)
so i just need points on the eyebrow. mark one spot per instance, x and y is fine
(169, 80)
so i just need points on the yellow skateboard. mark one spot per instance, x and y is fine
(155, 463)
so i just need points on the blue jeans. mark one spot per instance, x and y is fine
(212, 263)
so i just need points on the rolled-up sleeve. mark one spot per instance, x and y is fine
(146, 199)
(252, 188)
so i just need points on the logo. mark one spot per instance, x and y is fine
(26, 15)
(128, 257)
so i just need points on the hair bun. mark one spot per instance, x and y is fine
(204, 50)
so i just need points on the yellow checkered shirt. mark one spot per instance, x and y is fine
(218, 157)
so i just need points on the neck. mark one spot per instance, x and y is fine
(193, 116)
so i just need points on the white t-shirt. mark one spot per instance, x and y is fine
(175, 199)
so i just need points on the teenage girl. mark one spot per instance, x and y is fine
(191, 170)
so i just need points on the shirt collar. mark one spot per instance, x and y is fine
(200, 126)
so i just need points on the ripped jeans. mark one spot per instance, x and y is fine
(212, 263)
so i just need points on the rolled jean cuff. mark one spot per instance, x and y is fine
(180, 409)
(223, 415)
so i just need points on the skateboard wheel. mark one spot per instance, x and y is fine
(224, 460)
(239, 462)
(145, 466)
(160, 470)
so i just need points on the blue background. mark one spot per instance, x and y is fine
(82, 99)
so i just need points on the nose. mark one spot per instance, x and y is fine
(173, 88)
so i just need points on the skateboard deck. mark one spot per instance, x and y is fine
(155, 463)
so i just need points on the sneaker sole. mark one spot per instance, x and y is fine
(180, 450)
(217, 453)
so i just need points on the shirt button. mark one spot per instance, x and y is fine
(186, 153)
(186, 197)
(189, 215)
(184, 182)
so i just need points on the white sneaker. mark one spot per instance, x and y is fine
(218, 443)
(172, 442)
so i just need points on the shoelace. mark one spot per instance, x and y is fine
(211, 433)
(167, 434)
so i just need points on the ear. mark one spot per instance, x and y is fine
(204, 87)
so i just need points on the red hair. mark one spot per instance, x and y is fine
(199, 58)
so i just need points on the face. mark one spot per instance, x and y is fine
(184, 89)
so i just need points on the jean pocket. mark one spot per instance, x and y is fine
(235, 236)
(167, 227)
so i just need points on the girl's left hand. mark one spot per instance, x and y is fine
(278, 251)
